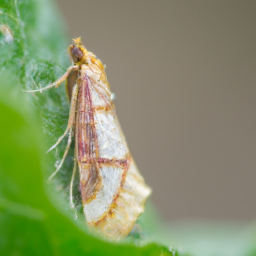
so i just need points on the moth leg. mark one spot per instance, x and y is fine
(56, 83)
(72, 114)
(72, 205)
(65, 153)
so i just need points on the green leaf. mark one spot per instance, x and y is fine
(34, 216)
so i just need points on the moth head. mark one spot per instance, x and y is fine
(77, 51)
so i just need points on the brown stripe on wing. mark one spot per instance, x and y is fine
(103, 108)
(113, 162)
(87, 144)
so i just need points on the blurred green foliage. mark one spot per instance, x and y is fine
(35, 218)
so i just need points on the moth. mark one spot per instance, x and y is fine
(113, 191)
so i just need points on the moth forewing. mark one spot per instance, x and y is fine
(113, 191)
(87, 141)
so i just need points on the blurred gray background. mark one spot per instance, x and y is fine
(184, 76)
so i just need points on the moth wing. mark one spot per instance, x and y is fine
(86, 144)
(120, 200)
(113, 154)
